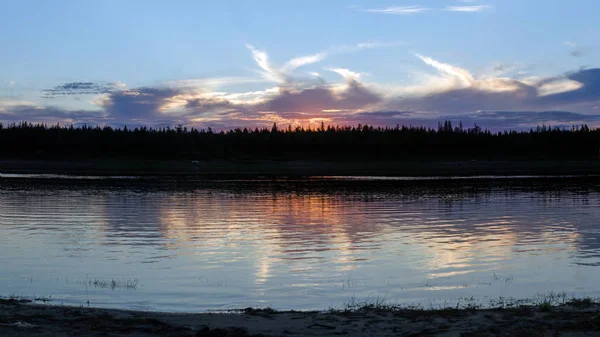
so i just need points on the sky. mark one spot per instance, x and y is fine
(503, 64)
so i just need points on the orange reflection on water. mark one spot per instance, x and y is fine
(294, 227)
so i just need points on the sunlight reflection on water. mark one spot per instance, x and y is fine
(296, 244)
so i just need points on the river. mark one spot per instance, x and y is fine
(313, 243)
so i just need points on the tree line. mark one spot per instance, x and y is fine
(361, 142)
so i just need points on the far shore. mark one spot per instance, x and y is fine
(235, 168)
(575, 318)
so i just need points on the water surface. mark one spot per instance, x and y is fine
(296, 244)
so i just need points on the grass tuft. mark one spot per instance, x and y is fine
(545, 306)
(129, 284)
(585, 302)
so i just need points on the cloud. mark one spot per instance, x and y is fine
(363, 46)
(314, 100)
(558, 86)
(6, 103)
(268, 71)
(199, 100)
(215, 83)
(576, 51)
(298, 62)
(528, 119)
(305, 107)
(82, 88)
(473, 8)
(588, 92)
(445, 91)
(398, 10)
(463, 75)
(143, 104)
(414, 9)
(495, 120)
(461, 100)
(503, 68)
(579, 90)
(282, 100)
(17, 111)
(215, 105)
(382, 118)
(283, 74)
(346, 74)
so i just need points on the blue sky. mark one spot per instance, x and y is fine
(225, 64)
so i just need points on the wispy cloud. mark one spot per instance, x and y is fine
(558, 86)
(215, 83)
(346, 73)
(473, 8)
(575, 49)
(82, 88)
(377, 44)
(268, 71)
(346, 48)
(398, 10)
(407, 10)
(463, 75)
(298, 62)
(282, 74)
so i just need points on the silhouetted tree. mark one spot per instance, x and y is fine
(26, 140)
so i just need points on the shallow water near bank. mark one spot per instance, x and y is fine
(296, 244)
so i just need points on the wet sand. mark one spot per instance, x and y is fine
(575, 319)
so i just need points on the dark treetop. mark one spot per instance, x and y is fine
(361, 142)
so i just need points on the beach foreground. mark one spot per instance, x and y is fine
(574, 319)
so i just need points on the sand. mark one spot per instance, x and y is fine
(21, 319)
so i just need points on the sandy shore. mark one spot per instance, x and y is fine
(576, 319)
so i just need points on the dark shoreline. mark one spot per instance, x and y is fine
(271, 168)
(574, 319)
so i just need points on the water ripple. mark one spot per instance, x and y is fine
(305, 247)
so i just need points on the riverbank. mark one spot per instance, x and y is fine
(225, 168)
(573, 319)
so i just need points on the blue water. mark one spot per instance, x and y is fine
(296, 244)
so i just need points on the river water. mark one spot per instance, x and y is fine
(313, 243)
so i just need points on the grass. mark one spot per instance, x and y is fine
(380, 304)
(128, 284)
(14, 298)
(376, 303)
(546, 302)
(545, 307)
(43, 299)
(581, 302)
